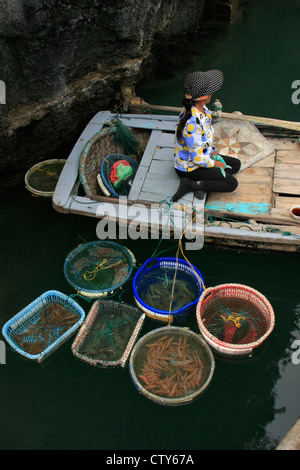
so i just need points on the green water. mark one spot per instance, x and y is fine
(250, 404)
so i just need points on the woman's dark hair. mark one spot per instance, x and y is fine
(187, 103)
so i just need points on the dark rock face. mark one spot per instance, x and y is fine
(64, 60)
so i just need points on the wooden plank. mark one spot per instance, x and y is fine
(289, 157)
(268, 162)
(143, 167)
(283, 213)
(239, 207)
(285, 202)
(69, 173)
(283, 170)
(157, 117)
(240, 116)
(167, 139)
(164, 169)
(285, 144)
(286, 186)
(152, 185)
(164, 153)
(153, 124)
(257, 175)
(155, 197)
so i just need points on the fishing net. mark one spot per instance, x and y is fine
(115, 138)
(171, 365)
(96, 268)
(116, 175)
(42, 178)
(234, 319)
(167, 289)
(108, 334)
(44, 325)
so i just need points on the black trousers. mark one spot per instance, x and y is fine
(212, 179)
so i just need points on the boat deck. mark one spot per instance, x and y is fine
(269, 182)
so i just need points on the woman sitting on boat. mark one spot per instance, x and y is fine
(197, 163)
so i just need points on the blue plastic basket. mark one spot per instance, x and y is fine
(104, 180)
(163, 270)
(30, 316)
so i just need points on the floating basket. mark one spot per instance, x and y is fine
(104, 177)
(108, 334)
(161, 279)
(234, 319)
(42, 178)
(171, 365)
(96, 268)
(43, 326)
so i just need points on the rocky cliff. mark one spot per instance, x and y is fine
(61, 61)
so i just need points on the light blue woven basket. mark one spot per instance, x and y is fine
(31, 315)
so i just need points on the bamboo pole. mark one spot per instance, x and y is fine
(241, 117)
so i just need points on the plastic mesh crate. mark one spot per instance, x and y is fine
(167, 289)
(44, 325)
(108, 334)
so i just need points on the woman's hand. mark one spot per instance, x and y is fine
(219, 164)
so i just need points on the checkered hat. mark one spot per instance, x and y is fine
(199, 84)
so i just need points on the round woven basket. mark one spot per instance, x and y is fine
(234, 319)
(41, 179)
(97, 268)
(171, 365)
(99, 146)
(153, 288)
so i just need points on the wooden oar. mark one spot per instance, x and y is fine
(241, 117)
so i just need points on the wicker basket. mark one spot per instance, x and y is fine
(171, 365)
(97, 149)
(36, 327)
(234, 319)
(42, 178)
(108, 334)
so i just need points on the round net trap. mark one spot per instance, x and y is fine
(42, 178)
(41, 327)
(108, 334)
(234, 319)
(167, 289)
(171, 365)
(97, 268)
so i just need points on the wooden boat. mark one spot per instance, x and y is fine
(256, 215)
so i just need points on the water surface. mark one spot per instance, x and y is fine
(249, 404)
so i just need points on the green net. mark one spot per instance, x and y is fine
(96, 268)
(108, 335)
